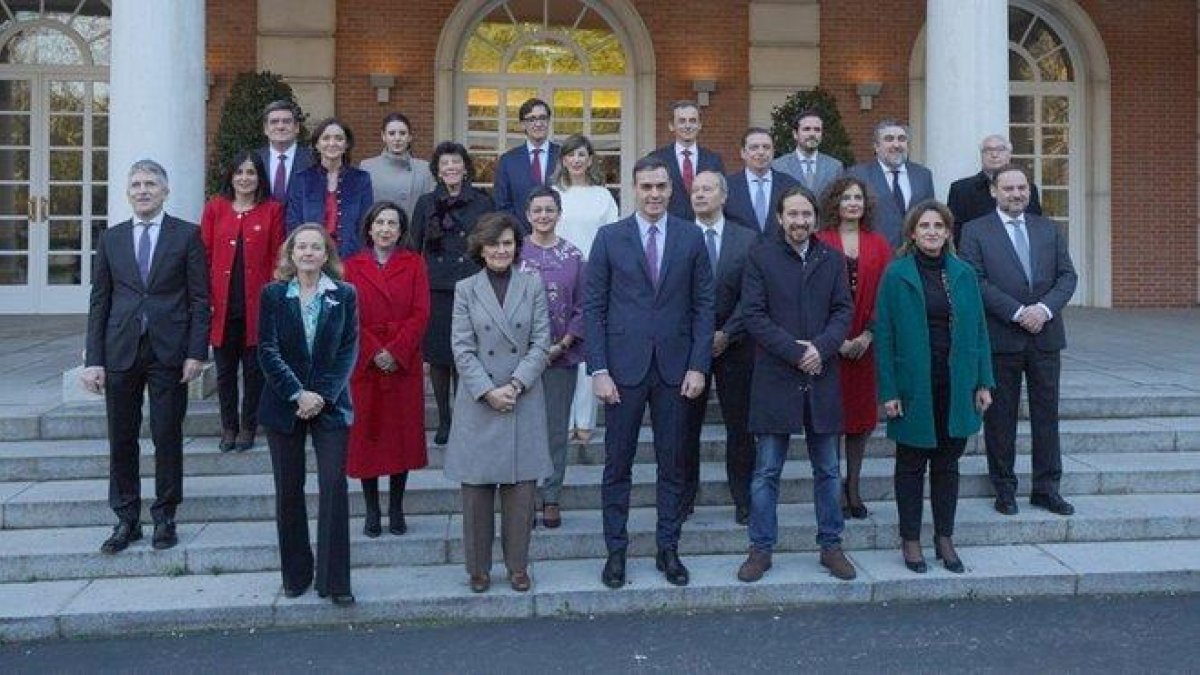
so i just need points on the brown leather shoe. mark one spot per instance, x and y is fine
(481, 583)
(520, 581)
(551, 516)
(834, 560)
(757, 563)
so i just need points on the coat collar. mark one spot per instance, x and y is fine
(502, 316)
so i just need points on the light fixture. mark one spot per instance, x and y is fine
(703, 88)
(867, 91)
(383, 87)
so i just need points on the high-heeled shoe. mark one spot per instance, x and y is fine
(443, 433)
(919, 565)
(856, 511)
(954, 564)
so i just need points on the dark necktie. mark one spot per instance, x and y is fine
(144, 252)
(688, 171)
(760, 204)
(279, 186)
(1021, 244)
(897, 193)
(652, 254)
(710, 240)
(535, 167)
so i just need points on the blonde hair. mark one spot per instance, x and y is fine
(285, 269)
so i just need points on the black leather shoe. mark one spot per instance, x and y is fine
(164, 536)
(124, 533)
(443, 433)
(343, 599)
(244, 441)
(371, 525)
(228, 440)
(1054, 503)
(396, 524)
(667, 561)
(295, 592)
(613, 575)
(1006, 505)
(741, 515)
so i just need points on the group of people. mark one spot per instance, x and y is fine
(804, 294)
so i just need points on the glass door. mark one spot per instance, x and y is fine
(21, 124)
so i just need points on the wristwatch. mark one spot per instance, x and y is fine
(516, 384)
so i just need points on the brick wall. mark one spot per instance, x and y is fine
(231, 29)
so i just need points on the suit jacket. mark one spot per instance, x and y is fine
(514, 181)
(173, 302)
(888, 218)
(261, 230)
(971, 198)
(736, 241)
(289, 367)
(680, 205)
(739, 205)
(1005, 289)
(630, 322)
(304, 158)
(827, 170)
(493, 344)
(306, 203)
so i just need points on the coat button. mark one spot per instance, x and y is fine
(518, 325)
(514, 350)
(491, 353)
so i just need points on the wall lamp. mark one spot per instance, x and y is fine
(703, 88)
(383, 87)
(867, 91)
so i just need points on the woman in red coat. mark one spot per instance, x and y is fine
(388, 386)
(242, 231)
(846, 211)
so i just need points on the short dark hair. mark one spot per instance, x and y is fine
(528, 106)
(252, 156)
(364, 233)
(648, 163)
(395, 117)
(452, 148)
(680, 104)
(328, 122)
(755, 130)
(543, 191)
(281, 104)
(487, 232)
(1008, 168)
(803, 192)
(807, 112)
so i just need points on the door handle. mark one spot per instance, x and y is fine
(31, 207)
(44, 208)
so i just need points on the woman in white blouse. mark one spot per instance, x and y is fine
(586, 206)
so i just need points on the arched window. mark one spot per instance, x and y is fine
(564, 52)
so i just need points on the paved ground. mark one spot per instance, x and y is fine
(1077, 635)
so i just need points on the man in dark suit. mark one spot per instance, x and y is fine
(971, 197)
(728, 243)
(755, 191)
(147, 329)
(283, 156)
(529, 164)
(898, 183)
(1026, 278)
(811, 168)
(648, 320)
(685, 158)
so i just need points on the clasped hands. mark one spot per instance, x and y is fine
(385, 361)
(502, 399)
(1032, 318)
(309, 404)
(810, 362)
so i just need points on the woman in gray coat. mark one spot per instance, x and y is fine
(500, 335)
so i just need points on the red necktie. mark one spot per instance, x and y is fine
(279, 189)
(536, 167)
(689, 171)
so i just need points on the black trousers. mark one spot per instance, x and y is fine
(1041, 373)
(909, 476)
(623, 420)
(123, 394)
(228, 358)
(732, 372)
(333, 510)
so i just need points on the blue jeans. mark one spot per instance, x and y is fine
(764, 489)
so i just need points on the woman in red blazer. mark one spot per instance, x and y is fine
(242, 229)
(846, 212)
(387, 387)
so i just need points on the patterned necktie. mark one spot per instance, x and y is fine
(144, 252)
(688, 171)
(279, 188)
(710, 240)
(760, 203)
(535, 167)
(809, 174)
(652, 254)
(1021, 243)
(897, 193)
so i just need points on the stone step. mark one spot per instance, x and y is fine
(27, 504)
(78, 459)
(86, 420)
(223, 547)
(130, 605)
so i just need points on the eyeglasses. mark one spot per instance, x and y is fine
(535, 119)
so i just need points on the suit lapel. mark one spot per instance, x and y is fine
(515, 297)
(167, 231)
(1006, 243)
(634, 234)
(487, 299)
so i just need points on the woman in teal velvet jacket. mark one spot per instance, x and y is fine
(934, 373)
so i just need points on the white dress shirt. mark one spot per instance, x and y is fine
(1011, 231)
(905, 186)
(155, 230)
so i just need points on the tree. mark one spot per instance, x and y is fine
(241, 119)
(835, 141)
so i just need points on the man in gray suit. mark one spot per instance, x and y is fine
(813, 169)
(898, 183)
(1026, 278)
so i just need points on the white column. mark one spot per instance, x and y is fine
(966, 90)
(157, 86)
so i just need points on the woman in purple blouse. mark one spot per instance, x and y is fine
(560, 265)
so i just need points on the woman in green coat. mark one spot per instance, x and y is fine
(935, 373)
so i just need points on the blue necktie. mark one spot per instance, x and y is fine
(144, 252)
(710, 240)
(652, 254)
(760, 204)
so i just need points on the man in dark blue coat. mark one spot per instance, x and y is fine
(797, 306)
(528, 165)
(648, 319)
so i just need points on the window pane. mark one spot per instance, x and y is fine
(14, 164)
(67, 96)
(605, 54)
(14, 200)
(66, 200)
(606, 104)
(1019, 69)
(66, 165)
(1055, 110)
(1022, 139)
(1057, 67)
(41, 45)
(65, 235)
(610, 168)
(1055, 202)
(1027, 164)
(66, 131)
(1042, 40)
(14, 129)
(99, 199)
(14, 235)
(65, 270)
(568, 103)
(99, 165)
(485, 168)
(100, 97)
(14, 270)
(14, 95)
(568, 127)
(1054, 172)
(1055, 141)
(99, 131)
(1020, 109)
(1018, 22)
(102, 50)
(483, 103)
(546, 58)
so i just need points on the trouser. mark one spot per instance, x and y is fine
(1041, 373)
(909, 481)
(228, 357)
(516, 525)
(732, 373)
(559, 387)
